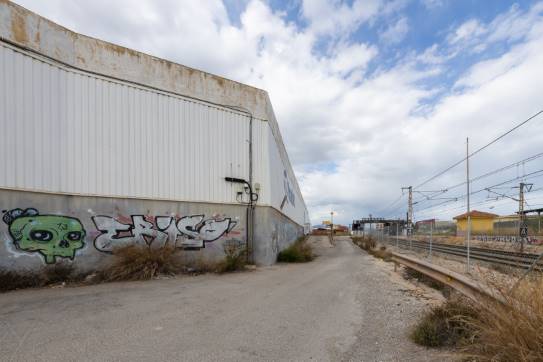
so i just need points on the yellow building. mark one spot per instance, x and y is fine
(481, 223)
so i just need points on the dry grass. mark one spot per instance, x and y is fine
(299, 252)
(63, 272)
(11, 280)
(512, 331)
(365, 242)
(446, 325)
(235, 258)
(369, 244)
(135, 262)
(489, 330)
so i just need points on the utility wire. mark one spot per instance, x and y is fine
(480, 177)
(526, 176)
(393, 203)
(479, 150)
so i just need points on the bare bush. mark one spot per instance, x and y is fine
(135, 262)
(235, 257)
(369, 244)
(446, 325)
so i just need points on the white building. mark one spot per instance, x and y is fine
(103, 146)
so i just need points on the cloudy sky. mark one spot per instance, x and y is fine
(371, 95)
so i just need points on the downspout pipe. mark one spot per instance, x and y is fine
(249, 234)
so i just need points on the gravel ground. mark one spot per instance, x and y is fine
(344, 306)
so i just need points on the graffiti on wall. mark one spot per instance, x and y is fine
(188, 232)
(58, 236)
(51, 236)
(289, 194)
(508, 239)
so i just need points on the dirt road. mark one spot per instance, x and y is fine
(339, 307)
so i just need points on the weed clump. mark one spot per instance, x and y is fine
(446, 325)
(299, 252)
(11, 280)
(235, 258)
(365, 242)
(489, 330)
(60, 273)
(136, 262)
(513, 330)
(369, 244)
(50, 274)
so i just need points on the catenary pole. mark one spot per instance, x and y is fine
(431, 234)
(468, 234)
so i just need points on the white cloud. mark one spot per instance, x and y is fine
(335, 17)
(368, 126)
(350, 57)
(432, 4)
(468, 30)
(396, 32)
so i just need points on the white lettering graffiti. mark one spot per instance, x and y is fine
(189, 232)
(508, 239)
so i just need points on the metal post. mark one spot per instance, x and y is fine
(468, 236)
(521, 215)
(539, 223)
(397, 224)
(332, 226)
(409, 210)
(370, 225)
(431, 234)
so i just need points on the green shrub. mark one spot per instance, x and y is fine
(299, 252)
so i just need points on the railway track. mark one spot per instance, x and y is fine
(494, 256)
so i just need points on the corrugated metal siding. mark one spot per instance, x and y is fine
(68, 131)
(63, 131)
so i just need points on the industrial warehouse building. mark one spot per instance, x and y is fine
(102, 146)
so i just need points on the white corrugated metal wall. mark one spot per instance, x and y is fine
(68, 131)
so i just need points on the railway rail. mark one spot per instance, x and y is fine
(493, 256)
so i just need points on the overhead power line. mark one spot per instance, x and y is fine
(480, 177)
(478, 150)
(530, 175)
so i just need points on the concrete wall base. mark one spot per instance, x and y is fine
(40, 229)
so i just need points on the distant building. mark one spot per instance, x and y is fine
(481, 223)
(509, 225)
(436, 226)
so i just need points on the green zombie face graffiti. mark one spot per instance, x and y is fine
(50, 235)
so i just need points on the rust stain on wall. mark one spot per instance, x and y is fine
(18, 28)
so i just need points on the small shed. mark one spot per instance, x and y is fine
(481, 222)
